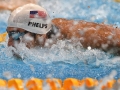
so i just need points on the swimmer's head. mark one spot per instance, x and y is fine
(32, 18)
(31, 22)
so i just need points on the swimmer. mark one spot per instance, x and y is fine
(32, 25)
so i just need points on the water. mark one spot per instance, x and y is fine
(64, 59)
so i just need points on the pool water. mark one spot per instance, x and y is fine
(59, 62)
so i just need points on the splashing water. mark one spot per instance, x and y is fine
(62, 56)
(64, 51)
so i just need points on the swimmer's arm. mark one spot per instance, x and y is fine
(90, 33)
(13, 4)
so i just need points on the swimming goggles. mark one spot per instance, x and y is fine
(16, 35)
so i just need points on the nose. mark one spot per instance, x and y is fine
(28, 37)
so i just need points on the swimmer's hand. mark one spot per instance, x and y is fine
(13, 4)
(17, 55)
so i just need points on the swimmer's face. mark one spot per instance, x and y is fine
(17, 35)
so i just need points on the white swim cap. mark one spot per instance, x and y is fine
(30, 17)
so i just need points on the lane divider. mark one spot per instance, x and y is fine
(15, 83)
(109, 85)
(91, 82)
(3, 83)
(3, 37)
(55, 84)
(70, 83)
(34, 84)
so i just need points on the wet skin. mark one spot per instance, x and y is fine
(13, 4)
(91, 34)
(30, 39)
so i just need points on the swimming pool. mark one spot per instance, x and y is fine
(58, 62)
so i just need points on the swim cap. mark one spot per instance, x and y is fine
(30, 17)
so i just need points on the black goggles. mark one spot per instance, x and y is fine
(16, 34)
